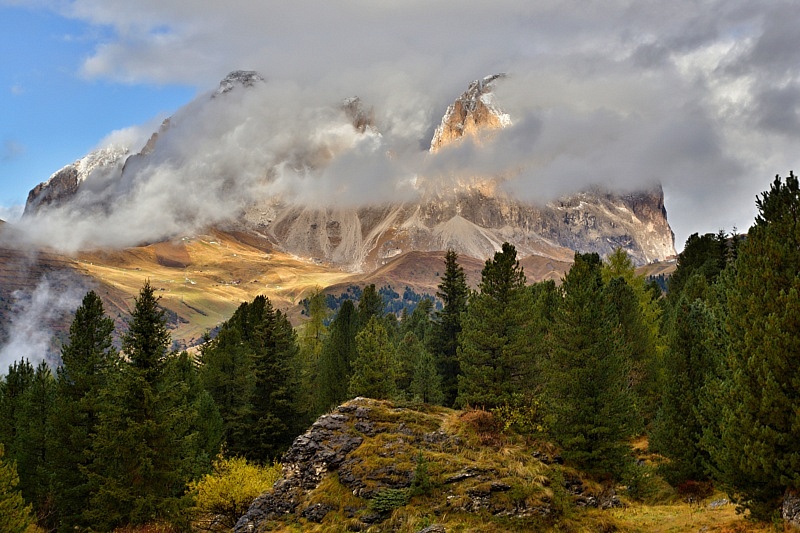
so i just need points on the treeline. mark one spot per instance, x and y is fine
(393, 302)
(708, 373)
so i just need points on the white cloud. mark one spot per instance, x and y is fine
(704, 99)
(33, 313)
(11, 213)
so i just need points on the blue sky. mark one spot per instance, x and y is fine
(50, 113)
(703, 98)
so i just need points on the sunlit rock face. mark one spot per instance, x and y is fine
(473, 216)
(472, 114)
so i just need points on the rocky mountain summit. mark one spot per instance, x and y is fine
(473, 217)
(369, 463)
(64, 183)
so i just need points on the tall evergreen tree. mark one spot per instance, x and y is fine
(274, 419)
(495, 354)
(587, 371)
(336, 360)
(757, 455)
(453, 292)
(374, 368)
(12, 391)
(15, 515)
(137, 472)
(704, 254)
(33, 431)
(225, 372)
(688, 364)
(86, 360)
(312, 340)
(425, 382)
(370, 305)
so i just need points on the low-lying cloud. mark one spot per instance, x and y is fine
(704, 100)
(30, 333)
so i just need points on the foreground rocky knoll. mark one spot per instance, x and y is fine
(369, 465)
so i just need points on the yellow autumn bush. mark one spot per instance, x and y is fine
(224, 495)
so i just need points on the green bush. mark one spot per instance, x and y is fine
(388, 500)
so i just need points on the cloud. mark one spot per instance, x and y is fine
(704, 100)
(11, 213)
(33, 312)
(11, 150)
(17, 90)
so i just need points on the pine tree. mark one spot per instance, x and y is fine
(757, 455)
(587, 371)
(137, 472)
(426, 383)
(274, 419)
(453, 292)
(15, 516)
(86, 360)
(688, 364)
(336, 360)
(374, 368)
(12, 391)
(704, 254)
(312, 340)
(370, 305)
(33, 432)
(226, 373)
(495, 353)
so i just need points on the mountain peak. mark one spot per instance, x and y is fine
(472, 112)
(243, 78)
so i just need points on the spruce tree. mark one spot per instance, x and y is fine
(374, 368)
(15, 515)
(33, 432)
(453, 292)
(757, 455)
(370, 305)
(12, 392)
(587, 371)
(336, 360)
(426, 383)
(86, 360)
(312, 340)
(495, 354)
(226, 373)
(688, 364)
(136, 475)
(274, 419)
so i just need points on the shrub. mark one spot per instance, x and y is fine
(485, 425)
(224, 495)
(421, 484)
(388, 500)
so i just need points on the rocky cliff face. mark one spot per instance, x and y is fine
(476, 218)
(471, 115)
(472, 218)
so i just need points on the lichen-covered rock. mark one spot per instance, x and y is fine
(790, 510)
(322, 448)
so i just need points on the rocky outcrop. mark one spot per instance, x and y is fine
(473, 113)
(363, 460)
(790, 509)
(65, 183)
(238, 78)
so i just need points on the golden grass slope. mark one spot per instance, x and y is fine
(203, 279)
